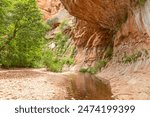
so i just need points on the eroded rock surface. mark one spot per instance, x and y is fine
(129, 82)
(96, 26)
(49, 7)
(134, 35)
(122, 24)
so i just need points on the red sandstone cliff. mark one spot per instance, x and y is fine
(122, 25)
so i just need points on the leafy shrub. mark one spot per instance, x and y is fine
(93, 70)
(100, 64)
(90, 70)
(51, 61)
(131, 58)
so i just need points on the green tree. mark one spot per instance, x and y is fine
(21, 36)
(3, 10)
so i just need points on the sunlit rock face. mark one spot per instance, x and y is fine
(49, 7)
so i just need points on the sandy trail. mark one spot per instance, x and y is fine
(35, 84)
(128, 82)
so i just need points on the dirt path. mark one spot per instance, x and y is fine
(32, 84)
(39, 84)
(126, 82)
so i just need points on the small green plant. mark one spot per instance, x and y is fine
(64, 25)
(131, 58)
(146, 53)
(141, 2)
(93, 70)
(83, 70)
(100, 64)
(90, 70)
(108, 52)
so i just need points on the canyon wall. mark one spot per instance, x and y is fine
(134, 34)
(118, 31)
(98, 22)
(49, 7)
(122, 25)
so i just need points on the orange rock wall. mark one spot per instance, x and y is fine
(96, 26)
(120, 24)
(49, 7)
(134, 35)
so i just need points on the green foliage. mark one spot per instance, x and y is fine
(3, 5)
(108, 52)
(54, 63)
(131, 58)
(93, 70)
(72, 51)
(22, 42)
(64, 25)
(21, 35)
(141, 2)
(90, 70)
(51, 61)
(61, 40)
(3, 20)
(100, 64)
(60, 55)
(83, 70)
